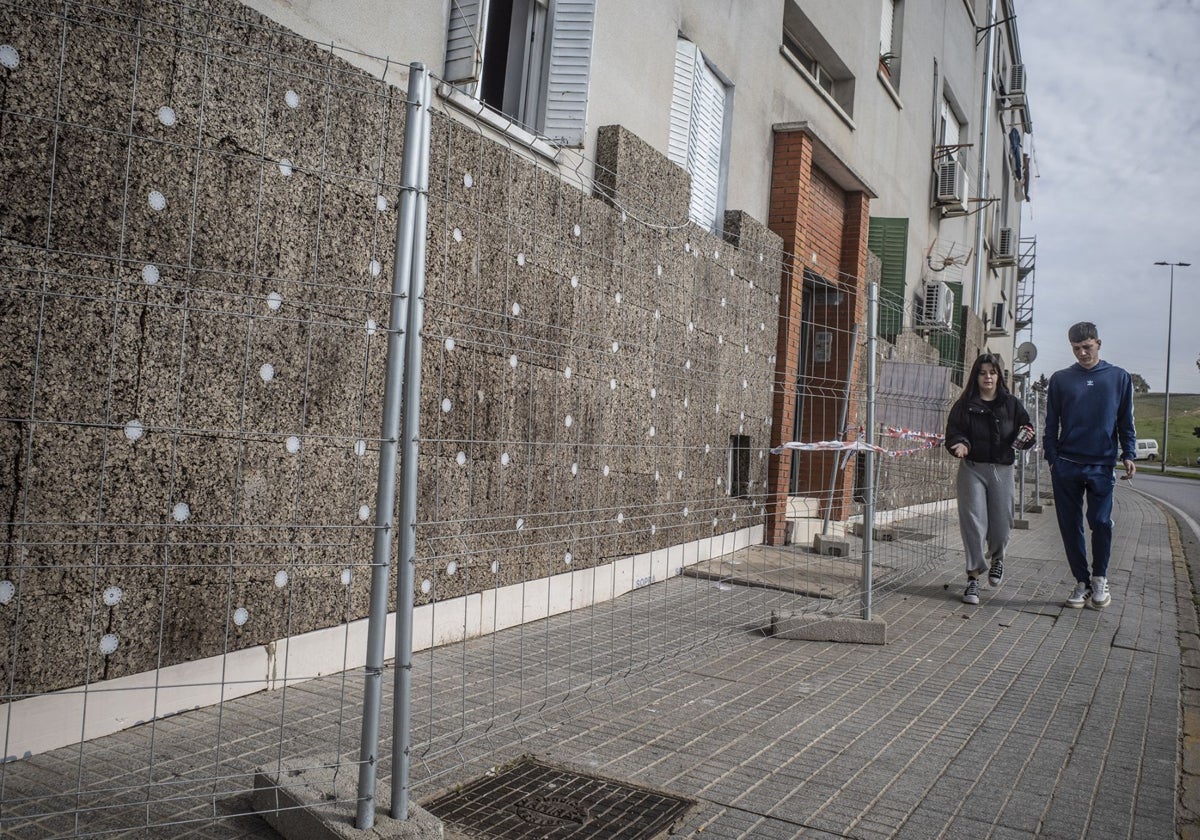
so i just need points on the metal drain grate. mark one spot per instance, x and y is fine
(529, 800)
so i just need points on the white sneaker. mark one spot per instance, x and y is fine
(1079, 596)
(1100, 596)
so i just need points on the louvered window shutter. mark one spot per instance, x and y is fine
(570, 65)
(681, 103)
(888, 240)
(464, 42)
(697, 130)
(708, 135)
(953, 129)
(886, 23)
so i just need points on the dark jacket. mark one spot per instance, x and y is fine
(987, 431)
(1089, 415)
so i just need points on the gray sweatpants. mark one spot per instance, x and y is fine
(985, 516)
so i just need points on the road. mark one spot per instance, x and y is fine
(1182, 493)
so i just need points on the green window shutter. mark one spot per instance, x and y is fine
(888, 240)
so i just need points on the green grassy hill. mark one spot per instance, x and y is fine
(1183, 446)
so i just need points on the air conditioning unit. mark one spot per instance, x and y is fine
(1004, 249)
(952, 187)
(1016, 84)
(938, 308)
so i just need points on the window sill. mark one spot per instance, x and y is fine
(887, 86)
(824, 94)
(481, 113)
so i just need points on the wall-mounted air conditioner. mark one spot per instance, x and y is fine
(951, 193)
(1004, 249)
(1016, 84)
(938, 307)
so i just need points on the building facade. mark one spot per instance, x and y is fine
(895, 128)
(200, 212)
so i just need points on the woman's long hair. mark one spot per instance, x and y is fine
(971, 391)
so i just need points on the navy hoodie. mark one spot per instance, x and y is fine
(1089, 415)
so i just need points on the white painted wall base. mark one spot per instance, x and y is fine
(46, 722)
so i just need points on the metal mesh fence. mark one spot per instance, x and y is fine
(196, 212)
(196, 238)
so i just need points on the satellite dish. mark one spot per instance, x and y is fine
(1027, 352)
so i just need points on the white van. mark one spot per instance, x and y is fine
(1147, 450)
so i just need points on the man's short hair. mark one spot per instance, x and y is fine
(1082, 332)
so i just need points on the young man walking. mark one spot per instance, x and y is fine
(1089, 422)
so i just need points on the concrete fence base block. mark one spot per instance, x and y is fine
(831, 545)
(1033, 509)
(822, 628)
(884, 534)
(1021, 524)
(316, 799)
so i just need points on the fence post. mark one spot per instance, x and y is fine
(1037, 461)
(1021, 457)
(406, 556)
(869, 454)
(400, 330)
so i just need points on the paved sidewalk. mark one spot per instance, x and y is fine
(1016, 718)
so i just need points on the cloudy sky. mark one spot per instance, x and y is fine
(1114, 92)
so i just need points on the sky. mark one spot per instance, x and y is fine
(1114, 92)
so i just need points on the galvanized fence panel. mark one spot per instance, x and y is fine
(197, 218)
(600, 398)
(196, 246)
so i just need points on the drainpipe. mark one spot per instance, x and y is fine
(985, 126)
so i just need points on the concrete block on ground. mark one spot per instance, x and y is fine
(825, 544)
(1021, 524)
(808, 627)
(1034, 509)
(317, 800)
(884, 534)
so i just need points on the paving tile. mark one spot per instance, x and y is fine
(956, 728)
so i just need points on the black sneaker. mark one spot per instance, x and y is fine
(971, 595)
(996, 573)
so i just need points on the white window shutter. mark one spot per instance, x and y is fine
(886, 23)
(697, 132)
(681, 103)
(953, 130)
(570, 65)
(464, 41)
(707, 142)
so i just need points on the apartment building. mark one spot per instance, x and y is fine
(895, 128)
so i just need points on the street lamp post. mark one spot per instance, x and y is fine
(1167, 390)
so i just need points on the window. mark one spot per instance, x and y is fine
(998, 323)
(738, 466)
(889, 39)
(527, 59)
(698, 141)
(805, 48)
(949, 126)
(886, 22)
(820, 75)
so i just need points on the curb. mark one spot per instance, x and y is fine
(1187, 806)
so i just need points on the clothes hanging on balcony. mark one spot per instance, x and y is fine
(1014, 139)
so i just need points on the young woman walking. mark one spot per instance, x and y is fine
(985, 428)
